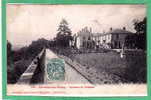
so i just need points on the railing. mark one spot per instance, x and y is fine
(35, 72)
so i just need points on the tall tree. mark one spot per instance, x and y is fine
(64, 34)
(63, 27)
(9, 51)
(140, 27)
(139, 38)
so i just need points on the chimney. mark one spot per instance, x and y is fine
(124, 28)
(111, 29)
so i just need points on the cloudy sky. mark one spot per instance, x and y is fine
(30, 22)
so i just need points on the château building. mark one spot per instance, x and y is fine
(113, 39)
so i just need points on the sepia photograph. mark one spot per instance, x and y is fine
(82, 50)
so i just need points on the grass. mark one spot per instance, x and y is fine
(131, 69)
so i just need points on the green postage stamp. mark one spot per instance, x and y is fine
(55, 69)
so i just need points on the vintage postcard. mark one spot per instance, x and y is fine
(76, 50)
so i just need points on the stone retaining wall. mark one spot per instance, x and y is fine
(35, 72)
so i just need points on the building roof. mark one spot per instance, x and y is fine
(117, 31)
(97, 34)
(113, 31)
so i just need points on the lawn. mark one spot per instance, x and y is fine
(110, 68)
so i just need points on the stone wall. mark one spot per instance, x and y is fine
(35, 72)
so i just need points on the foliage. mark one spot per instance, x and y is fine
(136, 70)
(9, 52)
(63, 27)
(137, 40)
(15, 70)
(140, 26)
(131, 69)
(63, 37)
(20, 59)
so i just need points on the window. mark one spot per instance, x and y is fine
(117, 36)
(120, 44)
(115, 44)
(84, 44)
(104, 41)
(108, 37)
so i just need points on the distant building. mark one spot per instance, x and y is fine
(84, 38)
(113, 39)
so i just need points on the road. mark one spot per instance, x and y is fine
(71, 75)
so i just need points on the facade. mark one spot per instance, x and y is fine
(113, 39)
(84, 38)
(116, 37)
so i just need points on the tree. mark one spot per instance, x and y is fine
(20, 59)
(9, 52)
(63, 37)
(63, 28)
(137, 40)
(140, 27)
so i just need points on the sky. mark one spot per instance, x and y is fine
(26, 23)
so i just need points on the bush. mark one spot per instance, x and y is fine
(15, 71)
(18, 61)
(136, 70)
